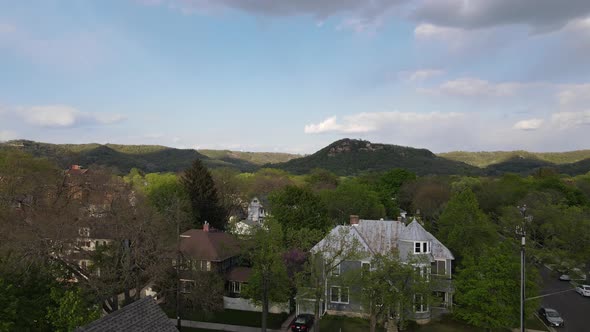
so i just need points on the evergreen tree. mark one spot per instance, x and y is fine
(203, 196)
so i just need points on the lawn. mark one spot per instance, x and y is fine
(234, 317)
(345, 324)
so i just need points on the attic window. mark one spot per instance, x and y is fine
(422, 247)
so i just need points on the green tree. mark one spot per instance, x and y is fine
(320, 179)
(487, 287)
(200, 187)
(351, 198)
(8, 306)
(464, 228)
(296, 208)
(72, 310)
(269, 281)
(388, 286)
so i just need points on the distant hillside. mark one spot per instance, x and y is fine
(149, 158)
(350, 157)
(256, 158)
(484, 159)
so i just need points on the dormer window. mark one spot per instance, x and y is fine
(422, 247)
(84, 231)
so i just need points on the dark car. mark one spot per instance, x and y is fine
(551, 316)
(303, 322)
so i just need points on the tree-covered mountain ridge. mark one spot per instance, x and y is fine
(345, 157)
(352, 157)
(486, 158)
(148, 158)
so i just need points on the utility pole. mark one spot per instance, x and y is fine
(178, 325)
(522, 232)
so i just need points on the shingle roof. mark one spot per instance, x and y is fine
(143, 315)
(209, 246)
(415, 232)
(381, 236)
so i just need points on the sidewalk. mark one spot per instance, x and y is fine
(221, 327)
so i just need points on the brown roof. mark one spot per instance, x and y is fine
(239, 274)
(209, 246)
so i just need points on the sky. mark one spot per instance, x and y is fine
(296, 75)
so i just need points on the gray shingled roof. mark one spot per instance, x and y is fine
(415, 232)
(143, 315)
(381, 236)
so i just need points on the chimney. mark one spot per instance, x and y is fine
(206, 227)
(354, 219)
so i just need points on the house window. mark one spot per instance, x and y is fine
(336, 270)
(339, 294)
(186, 285)
(84, 231)
(420, 304)
(205, 266)
(235, 287)
(365, 267)
(422, 247)
(439, 267)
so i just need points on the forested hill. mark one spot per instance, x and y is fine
(351, 157)
(148, 158)
(487, 158)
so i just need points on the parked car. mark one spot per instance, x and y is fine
(551, 316)
(565, 277)
(303, 322)
(584, 290)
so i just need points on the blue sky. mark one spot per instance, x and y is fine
(295, 75)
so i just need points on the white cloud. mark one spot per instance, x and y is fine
(368, 122)
(63, 116)
(421, 74)
(431, 31)
(574, 95)
(475, 87)
(566, 120)
(530, 124)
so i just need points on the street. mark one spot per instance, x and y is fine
(574, 308)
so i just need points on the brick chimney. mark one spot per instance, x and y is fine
(206, 227)
(354, 219)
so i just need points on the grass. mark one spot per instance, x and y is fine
(345, 324)
(234, 317)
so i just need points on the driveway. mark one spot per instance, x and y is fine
(574, 308)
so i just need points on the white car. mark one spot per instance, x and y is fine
(584, 290)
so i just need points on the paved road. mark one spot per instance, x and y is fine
(574, 308)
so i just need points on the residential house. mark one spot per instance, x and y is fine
(413, 245)
(256, 211)
(218, 252)
(256, 216)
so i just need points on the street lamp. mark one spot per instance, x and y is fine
(522, 232)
